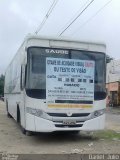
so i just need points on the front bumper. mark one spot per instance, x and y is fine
(38, 124)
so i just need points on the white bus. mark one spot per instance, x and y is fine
(57, 85)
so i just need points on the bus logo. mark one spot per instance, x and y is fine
(56, 51)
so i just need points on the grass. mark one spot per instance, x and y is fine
(107, 134)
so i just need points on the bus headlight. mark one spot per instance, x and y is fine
(37, 112)
(98, 113)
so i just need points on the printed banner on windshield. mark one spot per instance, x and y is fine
(69, 79)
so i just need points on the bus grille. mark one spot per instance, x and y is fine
(68, 126)
(65, 115)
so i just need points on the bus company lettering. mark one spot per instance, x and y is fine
(56, 51)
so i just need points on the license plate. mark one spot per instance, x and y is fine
(69, 122)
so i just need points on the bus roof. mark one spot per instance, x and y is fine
(85, 45)
(62, 38)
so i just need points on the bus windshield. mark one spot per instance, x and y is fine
(36, 69)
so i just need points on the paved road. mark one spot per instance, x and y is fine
(113, 119)
(13, 141)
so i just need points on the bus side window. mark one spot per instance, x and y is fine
(22, 78)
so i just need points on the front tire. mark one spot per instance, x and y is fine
(19, 120)
(24, 131)
(8, 114)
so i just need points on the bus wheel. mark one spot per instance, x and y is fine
(19, 120)
(8, 114)
(29, 133)
(23, 130)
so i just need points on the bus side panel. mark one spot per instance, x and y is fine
(13, 94)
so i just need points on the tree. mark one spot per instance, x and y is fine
(2, 77)
(108, 58)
